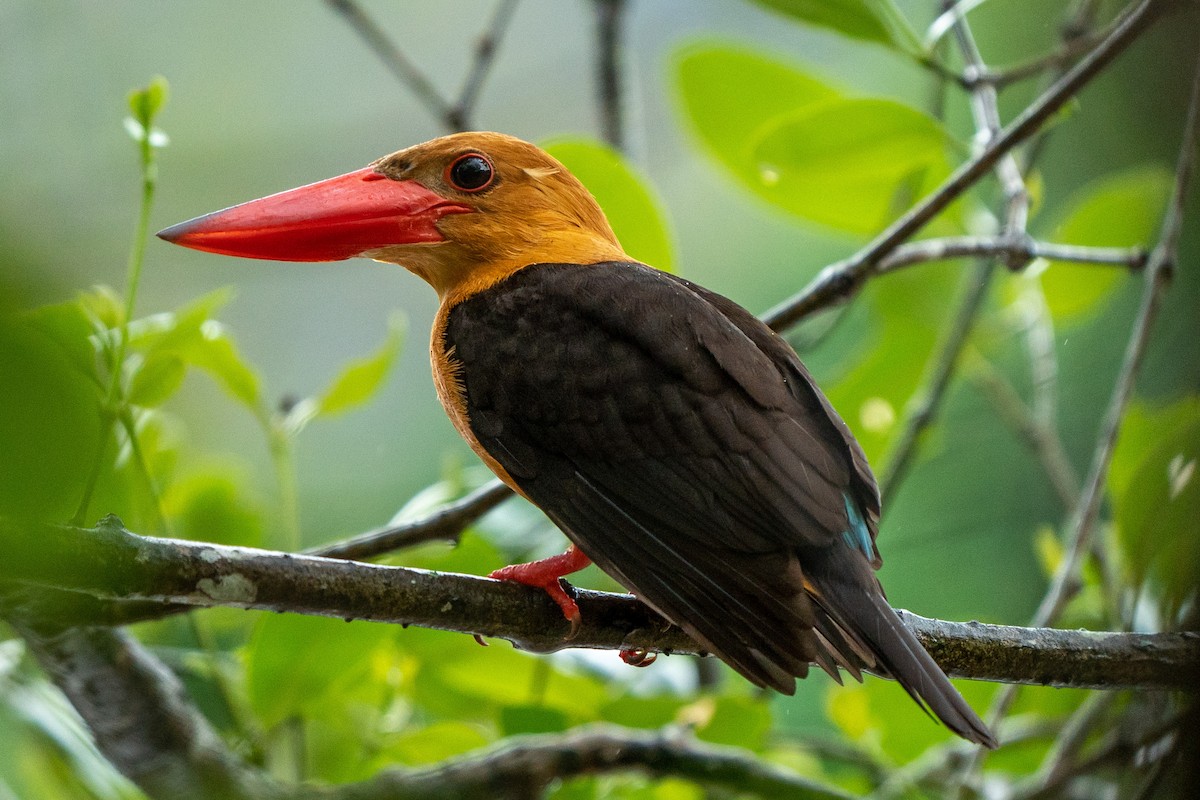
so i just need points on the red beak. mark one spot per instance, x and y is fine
(338, 218)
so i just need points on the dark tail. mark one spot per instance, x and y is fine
(865, 614)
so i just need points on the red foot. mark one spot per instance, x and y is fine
(637, 657)
(546, 575)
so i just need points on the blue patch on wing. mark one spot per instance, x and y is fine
(857, 536)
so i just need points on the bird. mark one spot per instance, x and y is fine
(677, 441)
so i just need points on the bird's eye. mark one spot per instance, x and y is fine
(470, 173)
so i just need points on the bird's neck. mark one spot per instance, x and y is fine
(461, 274)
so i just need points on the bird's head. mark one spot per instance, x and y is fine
(461, 211)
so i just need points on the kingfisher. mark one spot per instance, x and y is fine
(676, 440)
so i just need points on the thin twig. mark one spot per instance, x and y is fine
(1158, 273)
(1007, 247)
(945, 361)
(1046, 444)
(841, 281)
(1114, 755)
(608, 70)
(985, 109)
(485, 53)
(1065, 583)
(454, 115)
(445, 524)
(393, 57)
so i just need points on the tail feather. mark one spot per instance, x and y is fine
(866, 614)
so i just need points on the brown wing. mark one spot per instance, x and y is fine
(681, 445)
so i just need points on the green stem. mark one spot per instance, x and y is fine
(139, 458)
(282, 457)
(133, 275)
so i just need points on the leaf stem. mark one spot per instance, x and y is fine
(133, 277)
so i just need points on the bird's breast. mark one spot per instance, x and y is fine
(448, 380)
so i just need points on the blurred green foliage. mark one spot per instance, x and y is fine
(91, 425)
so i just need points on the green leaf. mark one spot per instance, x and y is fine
(193, 335)
(297, 665)
(436, 742)
(869, 20)
(51, 425)
(144, 106)
(156, 380)
(880, 713)
(212, 506)
(519, 719)
(362, 378)
(637, 216)
(843, 162)
(217, 353)
(1155, 483)
(737, 720)
(1122, 210)
(728, 93)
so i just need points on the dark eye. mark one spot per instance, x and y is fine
(470, 173)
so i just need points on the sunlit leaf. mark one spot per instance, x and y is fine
(737, 720)
(1122, 210)
(879, 712)
(1156, 495)
(728, 93)
(637, 216)
(217, 353)
(842, 162)
(362, 378)
(295, 663)
(103, 306)
(436, 742)
(212, 506)
(156, 380)
(870, 20)
(145, 105)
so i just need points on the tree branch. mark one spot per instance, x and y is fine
(841, 281)
(110, 562)
(523, 766)
(1158, 273)
(147, 727)
(140, 715)
(445, 524)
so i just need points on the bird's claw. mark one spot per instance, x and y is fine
(547, 576)
(638, 656)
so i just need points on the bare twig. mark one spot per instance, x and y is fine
(445, 524)
(1158, 273)
(608, 70)
(944, 362)
(455, 115)
(1045, 443)
(111, 562)
(393, 57)
(839, 282)
(1065, 583)
(1120, 748)
(485, 53)
(1006, 247)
